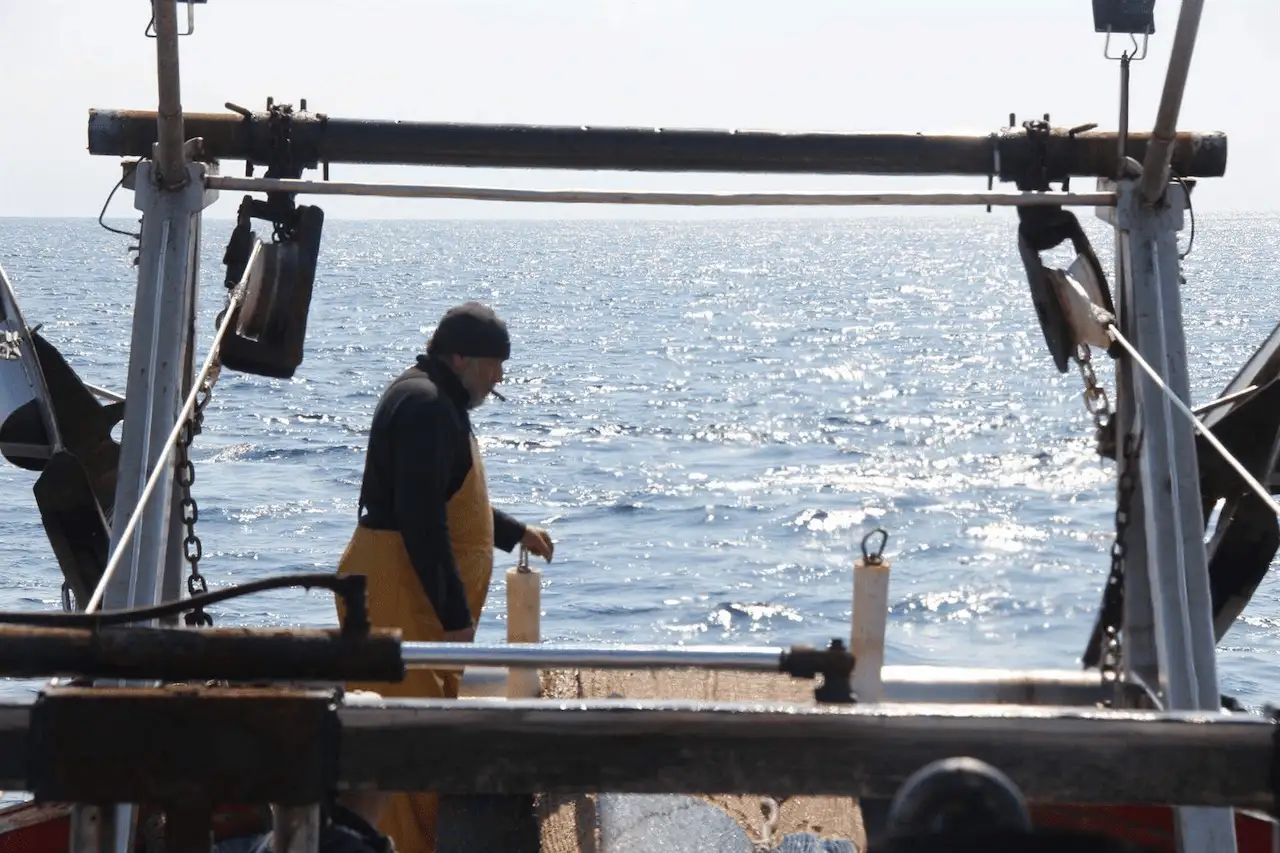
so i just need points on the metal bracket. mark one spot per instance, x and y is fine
(150, 31)
(1043, 228)
(271, 324)
(834, 664)
(1039, 230)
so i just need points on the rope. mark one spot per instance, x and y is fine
(170, 443)
(1253, 484)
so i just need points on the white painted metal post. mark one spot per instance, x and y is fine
(524, 618)
(158, 351)
(175, 559)
(1139, 659)
(158, 367)
(870, 614)
(1177, 565)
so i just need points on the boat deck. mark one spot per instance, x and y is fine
(568, 822)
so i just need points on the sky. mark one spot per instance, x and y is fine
(851, 65)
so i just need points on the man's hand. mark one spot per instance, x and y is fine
(462, 635)
(538, 542)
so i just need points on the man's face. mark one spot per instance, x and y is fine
(479, 376)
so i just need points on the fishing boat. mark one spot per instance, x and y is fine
(1135, 750)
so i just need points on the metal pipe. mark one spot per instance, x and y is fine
(902, 683)
(315, 138)
(1122, 130)
(593, 656)
(170, 157)
(1155, 166)
(714, 199)
(105, 393)
(1224, 399)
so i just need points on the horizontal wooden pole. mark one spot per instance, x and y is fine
(176, 654)
(316, 138)
(624, 746)
(776, 199)
(1054, 755)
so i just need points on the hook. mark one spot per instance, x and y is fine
(874, 558)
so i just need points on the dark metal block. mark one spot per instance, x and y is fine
(182, 745)
(1124, 16)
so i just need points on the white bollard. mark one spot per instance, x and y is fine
(870, 614)
(524, 616)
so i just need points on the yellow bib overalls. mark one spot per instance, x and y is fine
(397, 600)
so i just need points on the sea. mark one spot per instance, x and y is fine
(708, 416)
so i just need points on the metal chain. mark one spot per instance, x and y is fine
(1113, 594)
(1095, 398)
(193, 550)
(1099, 408)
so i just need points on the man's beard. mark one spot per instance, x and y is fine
(476, 394)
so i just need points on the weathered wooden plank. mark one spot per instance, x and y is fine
(626, 746)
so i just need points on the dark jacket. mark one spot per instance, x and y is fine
(419, 455)
(341, 831)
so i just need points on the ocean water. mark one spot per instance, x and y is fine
(708, 416)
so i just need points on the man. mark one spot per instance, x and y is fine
(426, 529)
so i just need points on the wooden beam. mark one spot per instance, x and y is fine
(1054, 755)
(624, 746)
(316, 138)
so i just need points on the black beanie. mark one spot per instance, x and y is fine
(471, 329)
